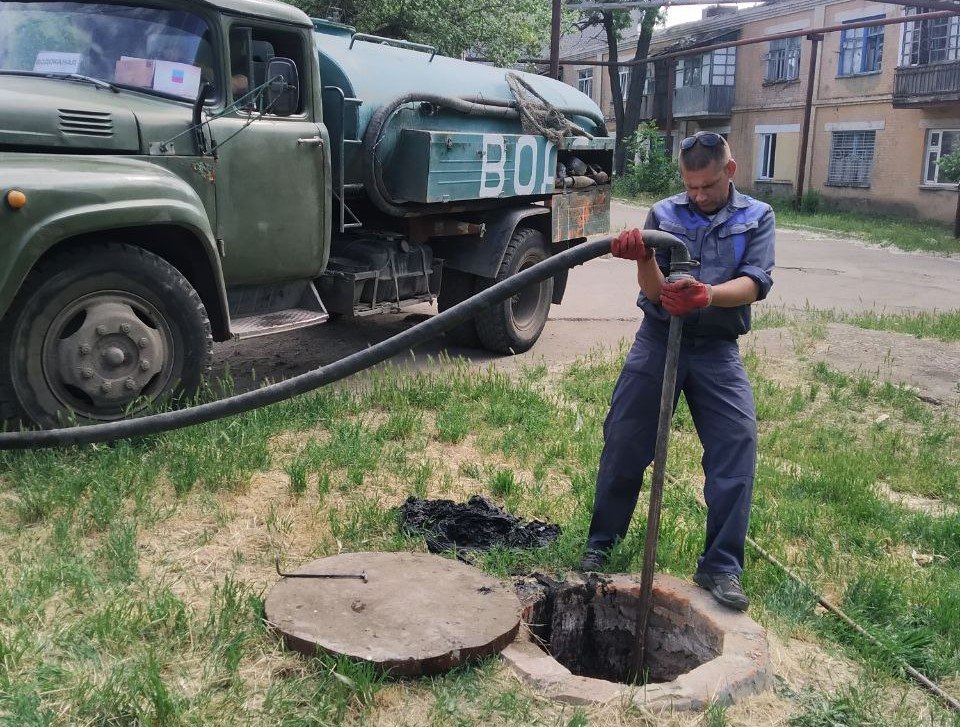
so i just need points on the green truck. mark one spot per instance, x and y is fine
(175, 173)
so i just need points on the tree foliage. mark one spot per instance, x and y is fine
(502, 30)
(950, 167)
(650, 169)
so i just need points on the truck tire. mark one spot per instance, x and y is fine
(98, 334)
(455, 287)
(515, 325)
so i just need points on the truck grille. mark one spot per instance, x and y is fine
(87, 123)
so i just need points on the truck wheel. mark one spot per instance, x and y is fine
(515, 325)
(455, 287)
(98, 334)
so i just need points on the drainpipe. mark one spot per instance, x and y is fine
(807, 109)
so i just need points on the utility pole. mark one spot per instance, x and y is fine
(555, 40)
(807, 110)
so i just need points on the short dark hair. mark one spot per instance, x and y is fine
(699, 157)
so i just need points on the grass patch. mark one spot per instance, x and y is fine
(899, 232)
(134, 575)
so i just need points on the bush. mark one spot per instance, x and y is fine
(650, 169)
(950, 167)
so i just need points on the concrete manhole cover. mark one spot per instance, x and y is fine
(416, 614)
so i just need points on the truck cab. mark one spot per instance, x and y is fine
(177, 173)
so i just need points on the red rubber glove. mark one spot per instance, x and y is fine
(685, 296)
(629, 246)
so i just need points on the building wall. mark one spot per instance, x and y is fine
(850, 102)
(752, 90)
(896, 184)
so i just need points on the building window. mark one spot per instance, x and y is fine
(851, 158)
(690, 71)
(940, 143)
(724, 62)
(768, 154)
(585, 81)
(861, 49)
(783, 60)
(930, 41)
(649, 83)
(624, 74)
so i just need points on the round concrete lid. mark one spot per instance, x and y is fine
(417, 613)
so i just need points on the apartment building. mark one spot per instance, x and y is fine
(885, 105)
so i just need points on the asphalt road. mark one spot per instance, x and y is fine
(599, 307)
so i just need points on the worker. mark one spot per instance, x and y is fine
(732, 235)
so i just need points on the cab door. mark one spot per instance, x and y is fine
(272, 171)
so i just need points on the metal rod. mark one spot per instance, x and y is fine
(644, 4)
(835, 610)
(555, 40)
(751, 41)
(656, 495)
(362, 576)
(649, 4)
(807, 109)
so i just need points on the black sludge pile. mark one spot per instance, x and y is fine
(477, 524)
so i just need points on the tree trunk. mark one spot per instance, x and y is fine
(631, 112)
(616, 90)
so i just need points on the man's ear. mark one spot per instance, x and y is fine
(731, 167)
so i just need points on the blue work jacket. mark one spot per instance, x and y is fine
(738, 241)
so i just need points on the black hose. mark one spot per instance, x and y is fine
(322, 376)
(373, 182)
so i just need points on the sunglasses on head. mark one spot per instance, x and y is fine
(708, 139)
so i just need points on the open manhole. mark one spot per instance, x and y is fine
(580, 638)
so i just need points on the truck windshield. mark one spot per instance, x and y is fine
(163, 51)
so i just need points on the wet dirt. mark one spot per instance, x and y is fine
(477, 524)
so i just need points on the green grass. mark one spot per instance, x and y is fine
(901, 232)
(134, 575)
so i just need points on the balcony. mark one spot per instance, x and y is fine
(927, 85)
(702, 101)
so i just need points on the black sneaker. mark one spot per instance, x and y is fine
(725, 588)
(593, 561)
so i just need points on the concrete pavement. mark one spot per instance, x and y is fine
(812, 270)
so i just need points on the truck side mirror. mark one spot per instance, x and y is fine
(283, 87)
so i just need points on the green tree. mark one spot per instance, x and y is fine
(626, 114)
(950, 167)
(502, 30)
(649, 169)
(950, 171)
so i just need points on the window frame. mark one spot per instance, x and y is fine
(780, 53)
(723, 60)
(844, 146)
(930, 148)
(624, 74)
(915, 40)
(768, 157)
(585, 81)
(860, 39)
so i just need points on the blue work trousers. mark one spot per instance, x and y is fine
(712, 377)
